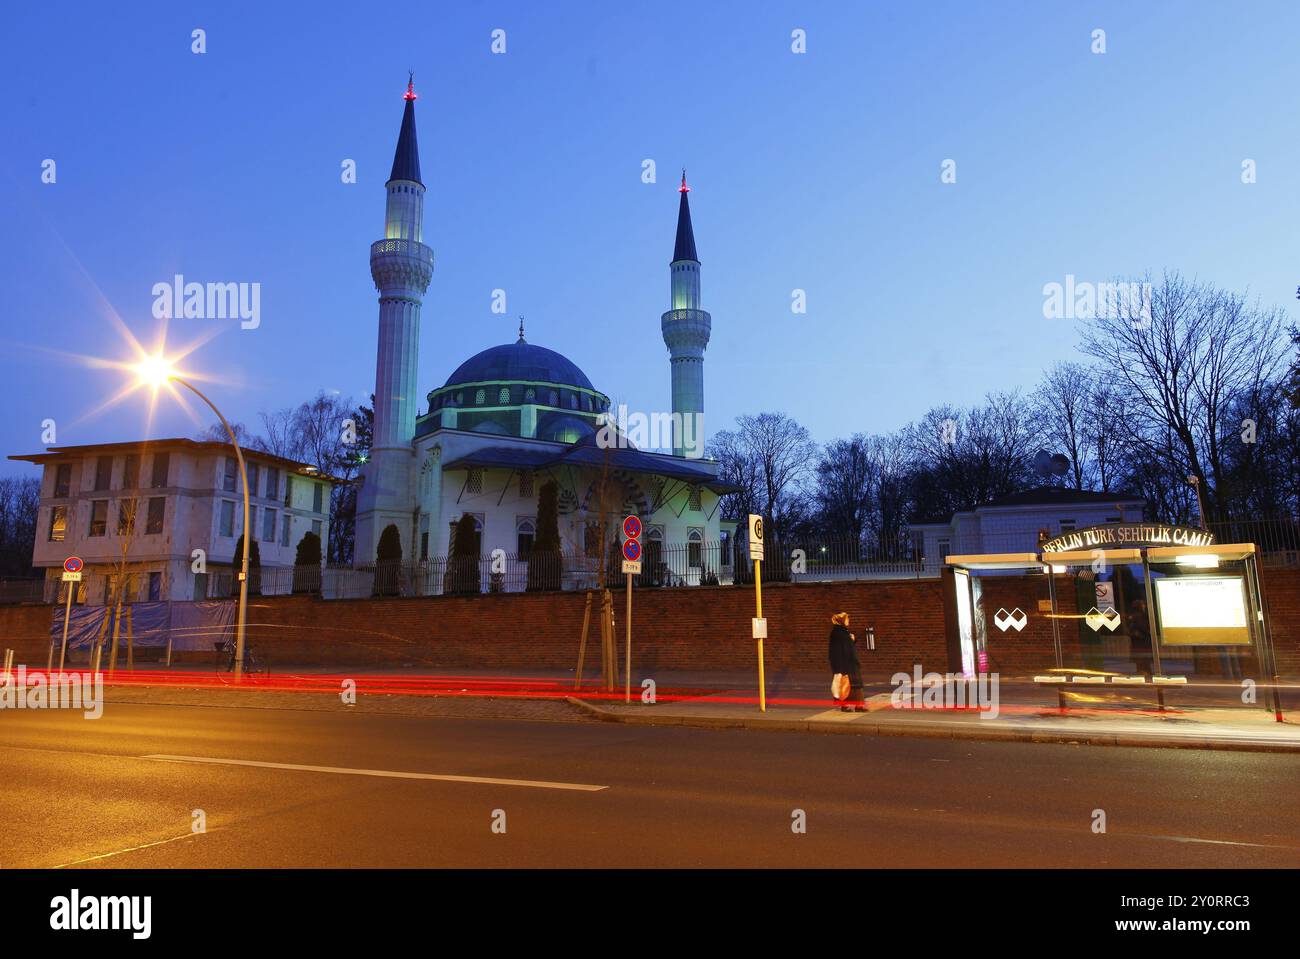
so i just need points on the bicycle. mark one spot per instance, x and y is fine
(256, 669)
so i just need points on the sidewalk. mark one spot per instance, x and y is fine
(1199, 717)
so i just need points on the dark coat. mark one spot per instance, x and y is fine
(843, 652)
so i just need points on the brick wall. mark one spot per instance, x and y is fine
(705, 628)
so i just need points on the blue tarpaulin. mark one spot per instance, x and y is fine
(187, 625)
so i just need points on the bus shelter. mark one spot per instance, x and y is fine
(1140, 605)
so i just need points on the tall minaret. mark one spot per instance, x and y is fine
(686, 330)
(401, 266)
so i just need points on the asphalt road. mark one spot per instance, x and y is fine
(96, 793)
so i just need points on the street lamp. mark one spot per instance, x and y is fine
(155, 371)
(1200, 501)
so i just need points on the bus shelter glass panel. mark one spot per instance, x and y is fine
(1104, 622)
(1004, 619)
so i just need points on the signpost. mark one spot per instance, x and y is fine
(72, 567)
(759, 623)
(631, 564)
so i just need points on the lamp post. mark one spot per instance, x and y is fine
(1200, 502)
(157, 372)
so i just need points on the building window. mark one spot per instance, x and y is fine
(252, 520)
(155, 587)
(58, 524)
(654, 548)
(526, 483)
(99, 517)
(126, 516)
(480, 397)
(284, 529)
(1067, 525)
(504, 396)
(525, 533)
(478, 536)
(252, 478)
(63, 479)
(530, 394)
(693, 499)
(288, 490)
(161, 465)
(227, 527)
(424, 537)
(945, 547)
(154, 523)
(553, 398)
(272, 482)
(268, 525)
(591, 540)
(695, 548)
(474, 482)
(317, 497)
(315, 527)
(103, 472)
(573, 401)
(228, 478)
(131, 471)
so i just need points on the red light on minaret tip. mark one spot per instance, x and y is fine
(683, 188)
(410, 89)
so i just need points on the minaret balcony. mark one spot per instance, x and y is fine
(401, 263)
(686, 332)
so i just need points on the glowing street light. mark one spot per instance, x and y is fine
(156, 371)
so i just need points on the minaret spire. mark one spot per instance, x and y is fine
(684, 249)
(521, 328)
(406, 159)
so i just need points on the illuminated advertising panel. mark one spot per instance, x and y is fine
(1198, 610)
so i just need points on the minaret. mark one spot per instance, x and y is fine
(401, 266)
(686, 330)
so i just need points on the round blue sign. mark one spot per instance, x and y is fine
(631, 550)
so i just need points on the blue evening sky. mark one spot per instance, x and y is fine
(818, 172)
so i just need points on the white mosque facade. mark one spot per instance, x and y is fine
(516, 415)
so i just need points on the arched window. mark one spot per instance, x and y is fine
(530, 394)
(480, 397)
(525, 531)
(504, 396)
(573, 401)
(554, 398)
(695, 548)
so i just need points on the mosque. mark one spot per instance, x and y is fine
(514, 416)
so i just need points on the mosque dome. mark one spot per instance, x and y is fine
(519, 362)
(517, 389)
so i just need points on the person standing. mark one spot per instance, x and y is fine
(844, 662)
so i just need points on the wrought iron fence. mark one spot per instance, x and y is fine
(1277, 540)
(662, 565)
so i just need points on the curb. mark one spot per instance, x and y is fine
(939, 731)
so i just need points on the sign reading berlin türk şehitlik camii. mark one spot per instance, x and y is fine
(1128, 534)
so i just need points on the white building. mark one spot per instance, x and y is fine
(1016, 522)
(516, 415)
(187, 497)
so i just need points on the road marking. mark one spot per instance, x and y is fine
(383, 773)
(834, 715)
(118, 852)
(1218, 842)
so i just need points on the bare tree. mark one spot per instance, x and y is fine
(1062, 403)
(771, 457)
(1183, 354)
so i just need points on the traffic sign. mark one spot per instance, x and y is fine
(631, 566)
(632, 550)
(632, 527)
(73, 564)
(755, 536)
(71, 577)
